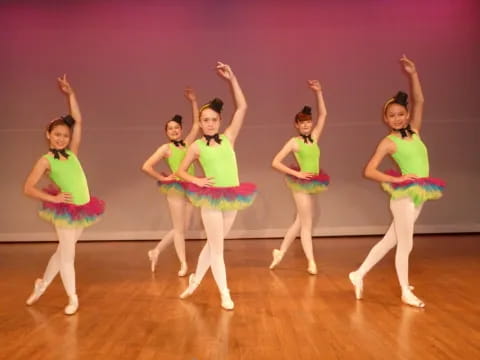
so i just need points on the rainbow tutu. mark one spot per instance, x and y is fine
(222, 198)
(315, 185)
(172, 187)
(70, 215)
(419, 190)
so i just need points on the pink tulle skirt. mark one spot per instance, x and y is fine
(222, 198)
(419, 190)
(70, 215)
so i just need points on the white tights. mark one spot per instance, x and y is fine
(302, 225)
(63, 259)
(180, 213)
(217, 224)
(400, 233)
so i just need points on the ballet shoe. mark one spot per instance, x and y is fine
(312, 268)
(277, 257)
(153, 256)
(357, 285)
(192, 286)
(72, 306)
(39, 288)
(409, 298)
(183, 269)
(227, 302)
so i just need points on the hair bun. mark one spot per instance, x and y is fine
(307, 110)
(177, 118)
(401, 98)
(68, 120)
(216, 105)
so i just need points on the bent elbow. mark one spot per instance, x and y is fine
(145, 168)
(367, 173)
(26, 190)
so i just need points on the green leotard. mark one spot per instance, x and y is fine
(176, 156)
(219, 162)
(308, 156)
(68, 175)
(411, 155)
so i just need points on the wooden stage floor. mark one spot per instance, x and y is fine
(126, 312)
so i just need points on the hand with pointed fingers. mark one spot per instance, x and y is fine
(408, 65)
(64, 85)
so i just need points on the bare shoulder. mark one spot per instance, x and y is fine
(387, 146)
(292, 141)
(164, 149)
(193, 148)
(293, 144)
(43, 161)
(42, 165)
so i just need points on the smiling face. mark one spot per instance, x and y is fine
(304, 127)
(396, 116)
(209, 121)
(173, 130)
(59, 137)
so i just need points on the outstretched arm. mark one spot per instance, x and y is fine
(416, 114)
(321, 109)
(74, 110)
(190, 95)
(240, 102)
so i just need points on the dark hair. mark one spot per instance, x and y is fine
(401, 98)
(177, 118)
(66, 120)
(216, 105)
(304, 115)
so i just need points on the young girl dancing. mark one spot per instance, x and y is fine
(180, 208)
(219, 194)
(408, 190)
(305, 180)
(67, 205)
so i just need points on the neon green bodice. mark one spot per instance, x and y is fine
(68, 175)
(411, 155)
(176, 156)
(219, 162)
(308, 156)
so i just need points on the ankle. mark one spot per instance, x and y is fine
(227, 302)
(406, 291)
(358, 275)
(72, 306)
(409, 298)
(183, 269)
(192, 286)
(312, 267)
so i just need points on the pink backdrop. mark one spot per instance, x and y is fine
(130, 60)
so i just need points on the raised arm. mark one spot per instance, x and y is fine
(30, 186)
(277, 163)
(192, 154)
(386, 147)
(240, 102)
(148, 165)
(321, 109)
(416, 114)
(74, 110)
(190, 95)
